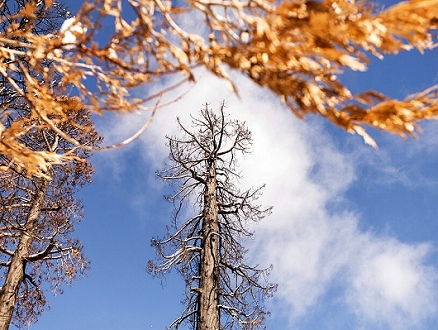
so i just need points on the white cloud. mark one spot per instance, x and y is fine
(383, 281)
(390, 283)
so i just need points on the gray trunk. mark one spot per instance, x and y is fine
(208, 309)
(9, 291)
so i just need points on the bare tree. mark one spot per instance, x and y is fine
(37, 217)
(222, 291)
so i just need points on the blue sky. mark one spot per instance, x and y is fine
(353, 234)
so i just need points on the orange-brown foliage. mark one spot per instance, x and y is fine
(295, 48)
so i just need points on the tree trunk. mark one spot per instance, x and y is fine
(208, 309)
(10, 289)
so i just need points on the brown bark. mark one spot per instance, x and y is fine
(16, 273)
(208, 311)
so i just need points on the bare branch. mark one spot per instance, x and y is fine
(207, 249)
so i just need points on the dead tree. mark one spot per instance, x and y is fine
(222, 291)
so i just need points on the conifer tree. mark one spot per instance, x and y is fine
(208, 249)
(37, 218)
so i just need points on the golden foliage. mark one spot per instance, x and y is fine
(38, 209)
(295, 48)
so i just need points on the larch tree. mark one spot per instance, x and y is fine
(222, 290)
(295, 48)
(44, 128)
(37, 217)
(37, 207)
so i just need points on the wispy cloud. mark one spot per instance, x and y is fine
(391, 284)
(382, 280)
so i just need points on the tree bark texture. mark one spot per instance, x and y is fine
(16, 273)
(208, 311)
